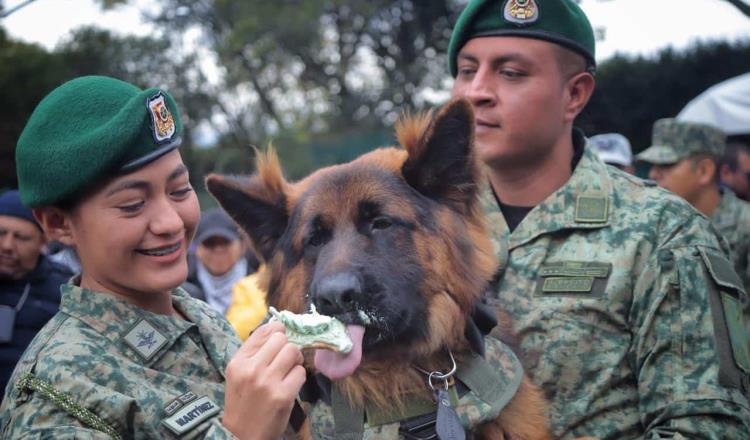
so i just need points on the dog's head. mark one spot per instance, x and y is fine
(392, 244)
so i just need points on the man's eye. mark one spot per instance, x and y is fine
(466, 71)
(512, 74)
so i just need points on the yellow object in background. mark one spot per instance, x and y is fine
(248, 306)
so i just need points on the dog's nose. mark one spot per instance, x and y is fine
(337, 293)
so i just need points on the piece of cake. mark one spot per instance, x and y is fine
(313, 330)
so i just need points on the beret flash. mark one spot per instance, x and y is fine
(89, 128)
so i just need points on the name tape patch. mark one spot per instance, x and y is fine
(191, 415)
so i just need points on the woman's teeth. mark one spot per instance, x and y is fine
(162, 251)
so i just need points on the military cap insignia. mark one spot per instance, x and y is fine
(521, 11)
(162, 122)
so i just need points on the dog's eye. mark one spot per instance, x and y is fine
(381, 223)
(318, 238)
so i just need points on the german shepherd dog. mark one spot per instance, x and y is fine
(394, 245)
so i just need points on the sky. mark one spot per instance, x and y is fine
(631, 26)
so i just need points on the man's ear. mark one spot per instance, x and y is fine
(257, 203)
(55, 223)
(706, 170)
(579, 89)
(441, 163)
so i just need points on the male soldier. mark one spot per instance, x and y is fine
(735, 168)
(684, 159)
(623, 301)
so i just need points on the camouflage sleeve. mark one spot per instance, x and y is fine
(60, 432)
(686, 350)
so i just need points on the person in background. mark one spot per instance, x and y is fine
(685, 158)
(221, 259)
(29, 282)
(621, 295)
(613, 149)
(735, 168)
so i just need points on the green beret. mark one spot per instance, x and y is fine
(673, 140)
(558, 21)
(88, 128)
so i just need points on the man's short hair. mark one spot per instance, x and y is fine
(732, 153)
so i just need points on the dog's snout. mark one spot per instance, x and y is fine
(338, 293)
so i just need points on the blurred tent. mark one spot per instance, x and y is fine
(725, 105)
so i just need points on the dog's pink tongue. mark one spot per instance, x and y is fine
(337, 366)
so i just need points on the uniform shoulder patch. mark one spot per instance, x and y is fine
(592, 209)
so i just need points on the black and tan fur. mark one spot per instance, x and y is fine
(404, 227)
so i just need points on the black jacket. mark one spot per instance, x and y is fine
(41, 304)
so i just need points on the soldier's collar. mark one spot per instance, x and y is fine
(122, 323)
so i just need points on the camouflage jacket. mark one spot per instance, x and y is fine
(490, 387)
(732, 219)
(104, 368)
(623, 302)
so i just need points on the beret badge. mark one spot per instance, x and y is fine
(521, 11)
(162, 122)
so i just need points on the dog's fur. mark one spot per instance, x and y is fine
(404, 226)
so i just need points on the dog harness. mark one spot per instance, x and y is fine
(483, 387)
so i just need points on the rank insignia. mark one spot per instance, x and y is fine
(145, 339)
(521, 11)
(162, 123)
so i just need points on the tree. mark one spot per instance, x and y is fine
(27, 74)
(633, 92)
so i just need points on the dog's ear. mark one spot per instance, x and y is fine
(441, 163)
(258, 203)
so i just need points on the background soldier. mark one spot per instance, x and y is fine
(684, 159)
(735, 168)
(618, 290)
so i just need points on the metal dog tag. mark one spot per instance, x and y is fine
(448, 425)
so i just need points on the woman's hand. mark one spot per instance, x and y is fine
(263, 379)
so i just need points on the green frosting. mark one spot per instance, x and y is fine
(313, 329)
(89, 128)
(559, 21)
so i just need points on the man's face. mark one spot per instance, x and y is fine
(20, 245)
(680, 178)
(517, 89)
(739, 179)
(219, 254)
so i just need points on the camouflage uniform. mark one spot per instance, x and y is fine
(616, 291)
(732, 219)
(103, 368)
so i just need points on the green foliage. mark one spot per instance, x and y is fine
(27, 74)
(633, 92)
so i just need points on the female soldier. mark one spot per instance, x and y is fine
(131, 355)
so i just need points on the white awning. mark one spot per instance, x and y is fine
(725, 105)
